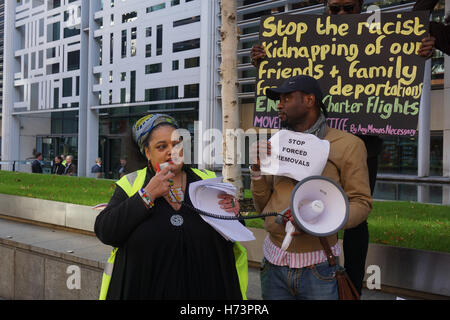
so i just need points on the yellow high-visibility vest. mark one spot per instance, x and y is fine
(132, 183)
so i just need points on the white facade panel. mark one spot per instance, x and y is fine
(126, 59)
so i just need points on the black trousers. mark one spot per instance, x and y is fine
(356, 240)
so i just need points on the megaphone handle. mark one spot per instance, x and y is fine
(288, 238)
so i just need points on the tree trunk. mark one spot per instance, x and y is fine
(231, 170)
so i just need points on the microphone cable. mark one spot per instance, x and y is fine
(222, 217)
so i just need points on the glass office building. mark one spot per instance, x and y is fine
(80, 72)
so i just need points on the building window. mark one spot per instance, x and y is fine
(52, 4)
(186, 45)
(156, 7)
(191, 90)
(124, 43)
(191, 62)
(153, 68)
(111, 48)
(133, 86)
(41, 27)
(51, 53)
(33, 60)
(123, 76)
(71, 32)
(53, 32)
(148, 50)
(183, 22)
(399, 155)
(159, 39)
(55, 98)
(123, 94)
(148, 32)
(73, 60)
(157, 94)
(250, 87)
(64, 123)
(67, 87)
(133, 41)
(436, 153)
(174, 3)
(129, 17)
(175, 65)
(53, 69)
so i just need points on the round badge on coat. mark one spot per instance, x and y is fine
(176, 220)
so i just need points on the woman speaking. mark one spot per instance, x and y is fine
(164, 250)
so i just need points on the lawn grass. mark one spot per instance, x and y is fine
(410, 225)
(77, 190)
(404, 224)
(396, 223)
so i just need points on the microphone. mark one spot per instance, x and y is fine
(288, 238)
(289, 228)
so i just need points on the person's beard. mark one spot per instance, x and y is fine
(284, 124)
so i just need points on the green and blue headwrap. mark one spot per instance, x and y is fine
(142, 128)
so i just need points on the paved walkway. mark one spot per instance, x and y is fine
(89, 250)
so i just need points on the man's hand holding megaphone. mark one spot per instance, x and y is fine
(291, 227)
(288, 217)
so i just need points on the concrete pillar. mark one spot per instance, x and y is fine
(10, 123)
(210, 115)
(84, 74)
(423, 148)
(92, 118)
(446, 194)
(446, 115)
(423, 193)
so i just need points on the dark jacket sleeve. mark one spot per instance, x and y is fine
(424, 5)
(437, 29)
(442, 34)
(36, 167)
(117, 221)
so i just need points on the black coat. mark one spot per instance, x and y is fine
(36, 166)
(437, 29)
(58, 168)
(70, 170)
(158, 260)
